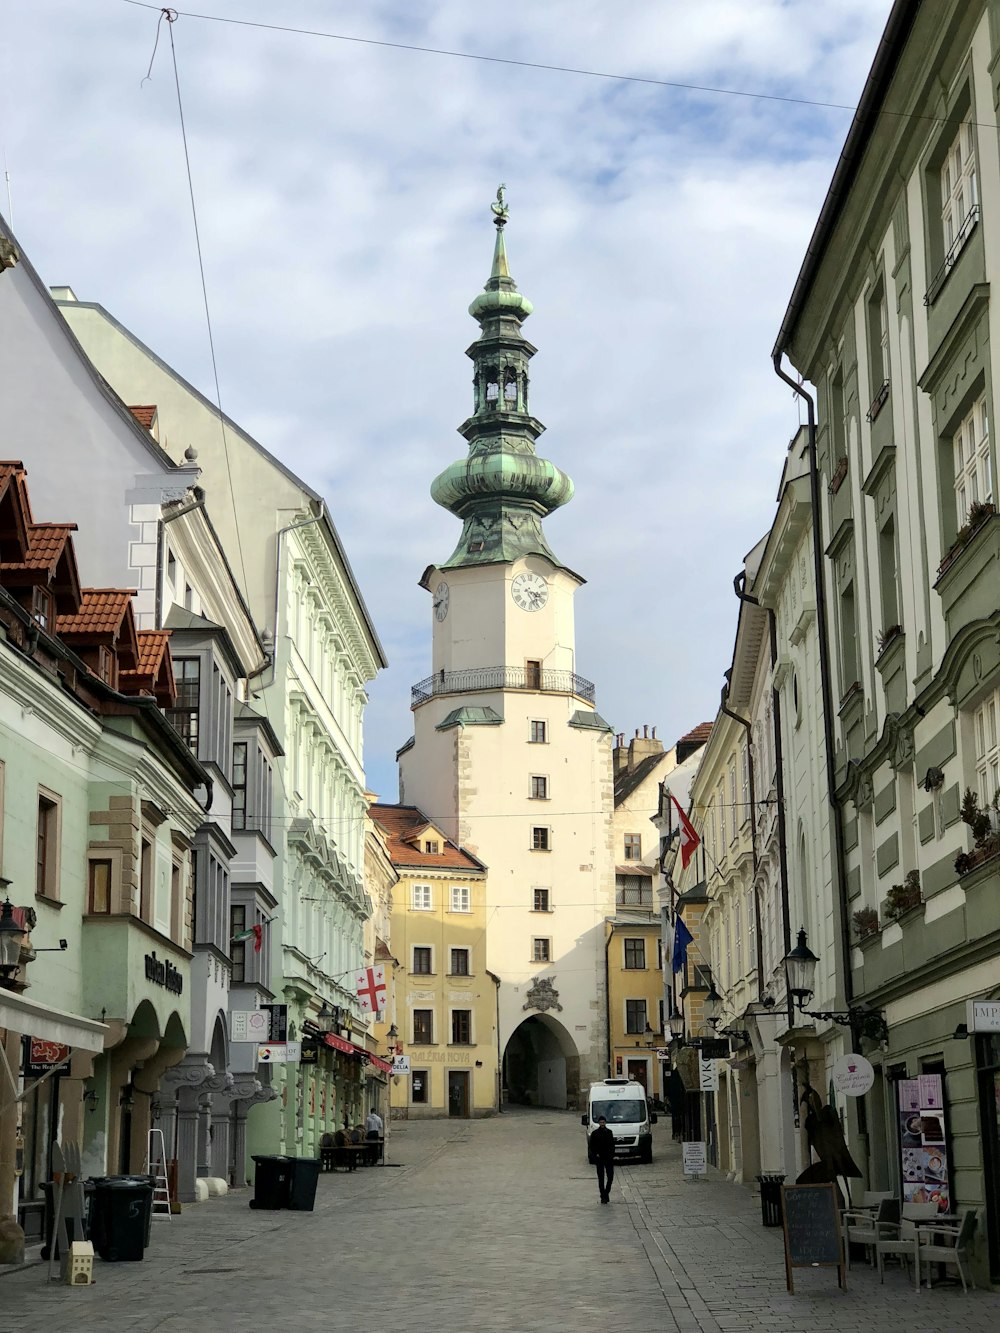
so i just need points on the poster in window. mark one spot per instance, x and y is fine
(923, 1154)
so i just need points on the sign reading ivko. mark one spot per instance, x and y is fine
(163, 973)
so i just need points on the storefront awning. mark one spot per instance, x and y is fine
(378, 1063)
(339, 1044)
(34, 1019)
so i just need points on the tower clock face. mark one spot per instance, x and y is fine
(442, 593)
(529, 591)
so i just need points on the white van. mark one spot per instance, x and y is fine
(622, 1102)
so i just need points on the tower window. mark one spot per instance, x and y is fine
(539, 788)
(539, 733)
(633, 846)
(540, 900)
(541, 840)
(541, 950)
(532, 674)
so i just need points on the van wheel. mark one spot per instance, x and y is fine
(646, 1155)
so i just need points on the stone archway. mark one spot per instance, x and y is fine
(541, 1065)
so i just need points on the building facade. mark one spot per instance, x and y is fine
(509, 757)
(445, 998)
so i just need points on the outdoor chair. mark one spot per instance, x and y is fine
(947, 1245)
(862, 1227)
(897, 1239)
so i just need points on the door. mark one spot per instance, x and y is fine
(458, 1093)
(639, 1070)
(988, 1053)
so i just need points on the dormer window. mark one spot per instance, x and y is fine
(432, 847)
(105, 665)
(41, 606)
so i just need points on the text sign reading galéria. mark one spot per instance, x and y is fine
(163, 973)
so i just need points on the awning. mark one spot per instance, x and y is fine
(339, 1044)
(34, 1019)
(379, 1063)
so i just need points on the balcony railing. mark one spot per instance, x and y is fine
(476, 679)
(951, 258)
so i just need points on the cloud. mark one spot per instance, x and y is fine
(343, 194)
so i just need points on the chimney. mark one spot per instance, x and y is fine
(641, 747)
(619, 755)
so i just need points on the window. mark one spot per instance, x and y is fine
(47, 847)
(541, 950)
(959, 194)
(146, 880)
(533, 675)
(887, 575)
(177, 902)
(106, 665)
(539, 733)
(41, 606)
(459, 962)
(420, 898)
(734, 820)
(635, 955)
(99, 895)
(184, 714)
(633, 846)
(746, 812)
(635, 1017)
(432, 847)
(461, 1027)
(973, 478)
(423, 1027)
(461, 898)
(878, 347)
(848, 639)
(419, 1079)
(240, 785)
(171, 572)
(238, 948)
(423, 961)
(633, 891)
(540, 900)
(539, 789)
(738, 934)
(540, 840)
(987, 748)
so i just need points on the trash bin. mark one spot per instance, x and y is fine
(272, 1182)
(302, 1187)
(151, 1182)
(770, 1198)
(120, 1218)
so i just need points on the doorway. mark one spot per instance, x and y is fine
(458, 1093)
(988, 1062)
(639, 1070)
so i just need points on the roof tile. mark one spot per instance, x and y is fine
(400, 823)
(46, 543)
(101, 612)
(144, 415)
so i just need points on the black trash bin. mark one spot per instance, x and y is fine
(770, 1198)
(272, 1182)
(302, 1191)
(120, 1218)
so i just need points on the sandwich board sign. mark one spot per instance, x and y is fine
(695, 1158)
(810, 1221)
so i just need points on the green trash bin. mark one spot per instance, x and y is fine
(305, 1174)
(272, 1182)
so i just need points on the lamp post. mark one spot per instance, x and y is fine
(800, 979)
(391, 1037)
(676, 1024)
(11, 938)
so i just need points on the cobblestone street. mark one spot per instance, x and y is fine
(491, 1225)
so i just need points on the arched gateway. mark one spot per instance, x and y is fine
(541, 1065)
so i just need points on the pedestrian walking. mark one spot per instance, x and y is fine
(373, 1132)
(602, 1154)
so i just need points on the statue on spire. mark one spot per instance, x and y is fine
(500, 210)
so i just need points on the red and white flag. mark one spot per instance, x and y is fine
(370, 986)
(690, 842)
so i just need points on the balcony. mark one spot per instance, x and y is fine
(475, 680)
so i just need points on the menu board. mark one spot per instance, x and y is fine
(922, 1147)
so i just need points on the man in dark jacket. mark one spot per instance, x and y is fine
(602, 1154)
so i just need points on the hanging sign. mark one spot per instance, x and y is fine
(400, 1065)
(278, 1053)
(695, 1158)
(310, 1051)
(983, 1016)
(43, 1056)
(249, 1025)
(278, 1014)
(853, 1075)
(708, 1075)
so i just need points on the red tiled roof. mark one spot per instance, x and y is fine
(101, 612)
(46, 543)
(152, 646)
(400, 822)
(700, 733)
(144, 415)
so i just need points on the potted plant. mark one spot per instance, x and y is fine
(902, 897)
(886, 636)
(839, 473)
(979, 512)
(984, 821)
(865, 922)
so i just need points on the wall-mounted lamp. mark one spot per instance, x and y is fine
(11, 939)
(800, 979)
(90, 1099)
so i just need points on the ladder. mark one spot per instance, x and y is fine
(156, 1166)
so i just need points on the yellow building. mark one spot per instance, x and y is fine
(635, 999)
(445, 999)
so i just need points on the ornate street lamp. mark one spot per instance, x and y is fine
(11, 939)
(712, 1004)
(676, 1024)
(800, 978)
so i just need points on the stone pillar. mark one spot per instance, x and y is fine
(220, 1139)
(187, 1145)
(204, 1151)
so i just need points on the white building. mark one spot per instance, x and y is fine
(509, 756)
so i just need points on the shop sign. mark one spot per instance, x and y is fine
(280, 1053)
(853, 1075)
(715, 1048)
(249, 1025)
(695, 1158)
(310, 1051)
(708, 1075)
(400, 1065)
(983, 1016)
(924, 1163)
(278, 1014)
(44, 1056)
(163, 973)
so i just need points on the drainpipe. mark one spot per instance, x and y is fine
(607, 1000)
(826, 685)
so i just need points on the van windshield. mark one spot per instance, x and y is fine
(618, 1113)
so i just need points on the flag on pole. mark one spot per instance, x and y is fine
(682, 938)
(258, 938)
(690, 842)
(369, 983)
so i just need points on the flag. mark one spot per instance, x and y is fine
(258, 938)
(369, 983)
(682, 938)
(690, 842)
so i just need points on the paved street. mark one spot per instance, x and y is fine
(493, 1225)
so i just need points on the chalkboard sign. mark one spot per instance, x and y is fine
(811, 1222)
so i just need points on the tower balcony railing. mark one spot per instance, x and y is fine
(476, 679)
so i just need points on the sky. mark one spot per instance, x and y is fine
(343, 194)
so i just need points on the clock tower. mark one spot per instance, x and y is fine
(509, 755)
